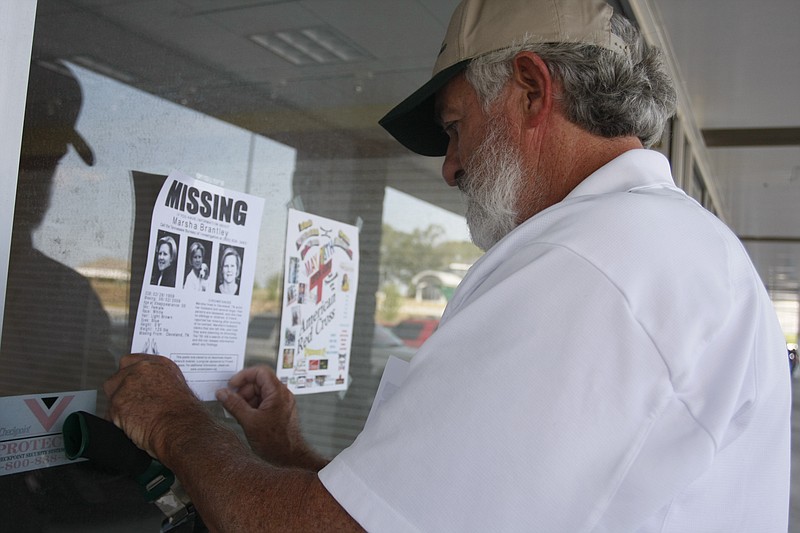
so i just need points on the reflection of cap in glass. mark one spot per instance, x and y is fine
(478, 27)
(51, 110)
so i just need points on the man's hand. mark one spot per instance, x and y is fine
(232, 489)
(266, 410)
(147, 395)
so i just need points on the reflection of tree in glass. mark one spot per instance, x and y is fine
(403, 255)
(267, 298)
(389, 310)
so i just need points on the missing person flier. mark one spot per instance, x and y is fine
(319, 299)
(195, 300)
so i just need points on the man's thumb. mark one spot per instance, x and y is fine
(231, 401)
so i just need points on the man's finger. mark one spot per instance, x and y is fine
(244, 376)
(131, 359)
(233, 403)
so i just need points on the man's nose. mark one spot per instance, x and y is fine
(451, 168)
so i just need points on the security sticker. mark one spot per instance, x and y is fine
(30, 428)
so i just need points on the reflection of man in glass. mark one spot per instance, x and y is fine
(198, 273)
(166, 254)
(231, 269)
(56, 333)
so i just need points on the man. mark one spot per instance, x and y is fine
(679, 421)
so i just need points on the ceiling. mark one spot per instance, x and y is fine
(738, 70)
(736, 63)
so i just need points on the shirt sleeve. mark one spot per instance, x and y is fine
(533, 407)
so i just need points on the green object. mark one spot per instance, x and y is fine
(104, 444)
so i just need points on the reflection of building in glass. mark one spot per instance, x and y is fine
(434, 285)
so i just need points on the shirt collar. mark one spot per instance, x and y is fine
(631, 170)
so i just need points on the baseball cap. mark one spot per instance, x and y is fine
(478, 27)
(51, 110)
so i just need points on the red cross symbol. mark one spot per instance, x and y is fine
(318, 277)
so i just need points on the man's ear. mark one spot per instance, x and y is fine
(535, 87)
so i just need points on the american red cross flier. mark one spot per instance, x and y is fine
(319, 299)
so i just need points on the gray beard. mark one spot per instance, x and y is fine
(491, 183)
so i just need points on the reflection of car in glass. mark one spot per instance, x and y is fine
(263, 340)
(384, 344)
(414, 331)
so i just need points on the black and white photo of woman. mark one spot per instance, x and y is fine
(197, 261)
(164, 267)
(230, 270)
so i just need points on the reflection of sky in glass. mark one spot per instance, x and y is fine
(406, 213)
(91, 211)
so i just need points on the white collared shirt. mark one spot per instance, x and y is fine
(613, 364)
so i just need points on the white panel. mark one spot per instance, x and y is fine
(16, 37)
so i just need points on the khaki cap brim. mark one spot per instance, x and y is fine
(478, 27)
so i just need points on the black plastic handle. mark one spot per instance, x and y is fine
(97, 439)
(107, 446)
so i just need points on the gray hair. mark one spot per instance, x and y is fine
(604, 92)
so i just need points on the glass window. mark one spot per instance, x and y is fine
(277, 99)
(408, 330)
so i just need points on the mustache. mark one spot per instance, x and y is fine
(461, 181)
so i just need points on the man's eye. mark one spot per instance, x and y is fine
(451, 128)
